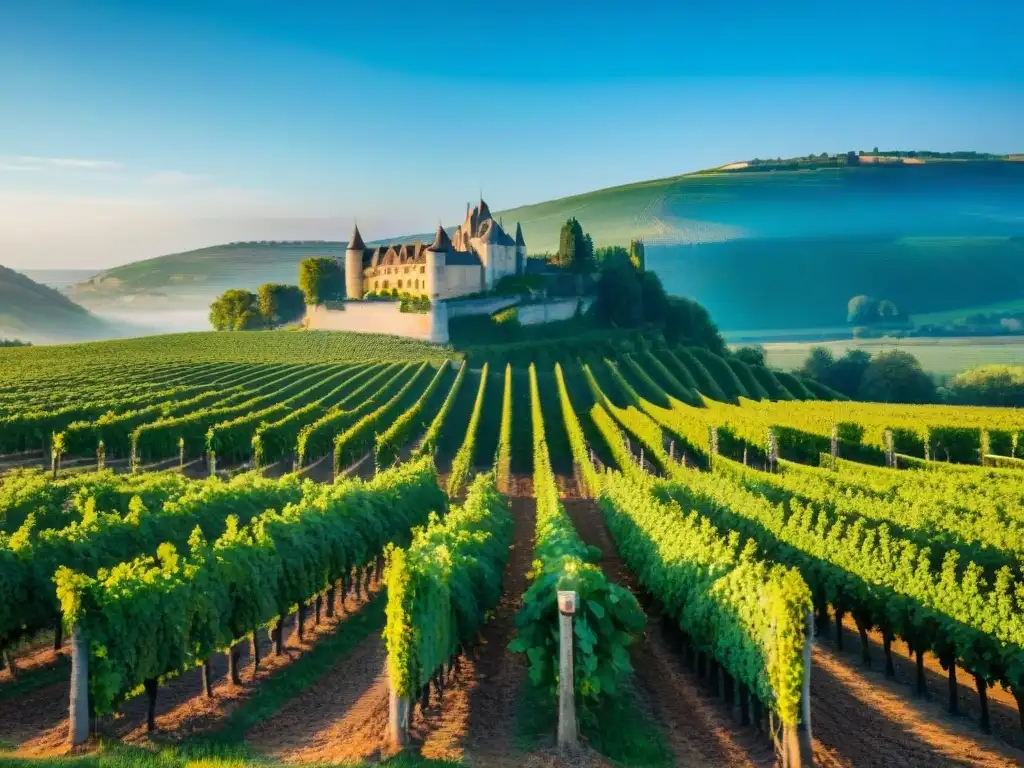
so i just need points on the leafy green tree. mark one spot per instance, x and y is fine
(818, 364)
(321, 279)
(235, 310)
(847, 373)
(897, 377)
(619, 299)
(862, 310)
(688, 322)
(607, 253)
(1001, 385)
(751, 355)
(280, 303)
(888, 311)
(653, 296)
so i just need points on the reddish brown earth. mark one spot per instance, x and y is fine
(32, 657)
(341, 717)
(1002, 707)
(485, 710)
(37, 721)
(344, 716)
(860, 718)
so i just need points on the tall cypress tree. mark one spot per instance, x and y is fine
(575, 248)
(636, 254)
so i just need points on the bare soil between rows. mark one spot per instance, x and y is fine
(344, 715)
(36, 723)
(861, 718)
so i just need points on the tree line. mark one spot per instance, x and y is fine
(273, 304)
(896, 376)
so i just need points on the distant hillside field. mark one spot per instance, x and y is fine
(33, 312)
(766, 250)
(59, 278)
(943, 357)
(194, 278)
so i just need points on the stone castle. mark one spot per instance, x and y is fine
(474, 260)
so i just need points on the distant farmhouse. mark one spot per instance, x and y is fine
(474, 260)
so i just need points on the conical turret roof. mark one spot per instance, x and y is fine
(442, 243)
(519, 235)
(355, 242)
(493, 232)
(485, 212)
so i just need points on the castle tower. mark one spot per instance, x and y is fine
(490, 250)
(437, 259)
(354, 265)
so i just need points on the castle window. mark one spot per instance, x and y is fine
(399, 283)
(417, 283)
(422, 270)
(385, 285)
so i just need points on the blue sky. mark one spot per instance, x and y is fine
(131, 129)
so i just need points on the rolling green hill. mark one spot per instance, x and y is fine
(768, 250)
(33, 312)
(194, 278)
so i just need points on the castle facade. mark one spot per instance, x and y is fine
(473, 260)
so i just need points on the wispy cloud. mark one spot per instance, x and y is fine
(176, 179)
(32, 163)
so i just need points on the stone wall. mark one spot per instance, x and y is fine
(458, 280)
(488, 306)
(381, 317)
(551, 311)
(385, 316)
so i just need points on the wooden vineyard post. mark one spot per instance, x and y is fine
(181, 452)
(101, 456)
(567, 730)
(773, 450)
(56, 452)
(672, 450)
(712, 446)
(399, 708)
(890, 454)
(213, 463)
(133, 459)
(835, 445)
(78, 708)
